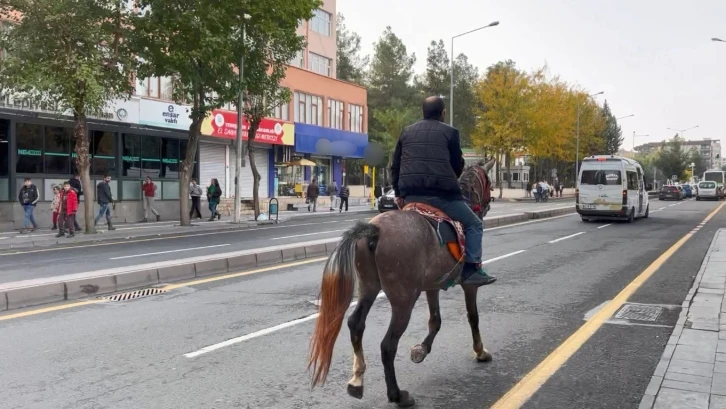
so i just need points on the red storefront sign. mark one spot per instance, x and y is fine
(224, 125)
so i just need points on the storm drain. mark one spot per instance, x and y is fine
(637, 312)
(132, 295)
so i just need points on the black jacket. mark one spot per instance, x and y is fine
(76, 185)
(428, 161)
(103, 193)
(28, 195)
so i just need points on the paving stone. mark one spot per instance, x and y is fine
(690, 367)
(711, 291)
(685, 386)
(704, 311)
(701, 353)
(721, 346)
(677, 399)
(705, 325)
(681, 377)
(718, 384)
(722, 334)
(708, 299)
(719, 286)
(717, 402)
(698, 338)
(719, 367)
(720, 357)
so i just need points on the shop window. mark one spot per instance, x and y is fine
(30, 148)
(4, 160)
(150, 156)
(169, 189)
(170, 160)
(335, 114)
(57, 154)
(131, 156)
(103, 145)
(355, 118)
(131, 189)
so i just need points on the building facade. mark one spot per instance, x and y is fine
(709, 149)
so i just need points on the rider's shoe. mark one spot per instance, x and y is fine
(475, 275)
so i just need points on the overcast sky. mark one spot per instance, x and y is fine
(653, 58)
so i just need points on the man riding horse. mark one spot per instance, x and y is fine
(427, 164)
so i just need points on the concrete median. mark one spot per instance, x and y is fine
(92, 284)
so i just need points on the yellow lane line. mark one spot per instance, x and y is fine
(167, 288)
(533, 381)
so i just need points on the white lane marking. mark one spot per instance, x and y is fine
(662, 208)
(3, 238)
(259, 333)
(168, 251)
(672, 205)
(605, 225)
(306, 234)
(491, 260)
(566, 237)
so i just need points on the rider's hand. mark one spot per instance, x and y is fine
(399, 202)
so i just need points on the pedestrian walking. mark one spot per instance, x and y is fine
(312, 195)
(214, 192)
(76, 185)
(149, 189)
(67, 208)
(195, 191)
(54, 206)
(28, 198)
(344, 194)
(332, 194)
(528, 190)
(104, 199)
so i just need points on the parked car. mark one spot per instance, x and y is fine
(708, 191)
(687, 190)
(387, 202)
(671, 192)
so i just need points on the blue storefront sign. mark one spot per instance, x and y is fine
(317, 140)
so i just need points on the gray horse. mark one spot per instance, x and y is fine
(373, 252)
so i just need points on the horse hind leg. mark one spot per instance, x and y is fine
(420, 351)
(400, 317)
(357, 324)
(481, 353)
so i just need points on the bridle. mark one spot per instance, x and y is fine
(476, 187)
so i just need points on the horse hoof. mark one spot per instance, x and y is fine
(418, 353)
(406, 400)
(484, 356)
(355, 391)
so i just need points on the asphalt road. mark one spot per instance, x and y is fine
(48, 262)
(132, 354)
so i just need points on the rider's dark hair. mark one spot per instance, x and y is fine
(433, 107)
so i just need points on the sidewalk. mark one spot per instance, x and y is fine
(692, 371)
(46, 237)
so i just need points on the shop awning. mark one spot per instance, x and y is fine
(301, 162)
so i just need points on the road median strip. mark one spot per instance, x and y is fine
(87, 286)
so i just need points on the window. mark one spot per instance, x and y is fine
(525, 177)
(282, 112)
(632, 180)
(30, 148)
(155, 87)
(320, 22)
(103, 145)
(335, 114)
(131, 156)
(355, 118)
(165, 89)
(298, 60)
(169, 158)
(320, 64)
(308, 109)
(609, 177)
(57, 154)
(515, 176)
(150, 156)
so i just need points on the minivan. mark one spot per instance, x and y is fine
(611, 187)
(708, 191)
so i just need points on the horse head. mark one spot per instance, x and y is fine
(477, 187)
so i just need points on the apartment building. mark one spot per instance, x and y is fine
(709, 149)
(325, 123)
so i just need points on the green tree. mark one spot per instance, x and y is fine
(435, 80)
(198, 43)
(613, 134)
(393, 121)
(466, 102)
(72, 56)
(700, 165)
(390, 75)
(672, 160)
(271, 41)
(349, 66)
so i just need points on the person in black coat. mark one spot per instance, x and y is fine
(427, 164)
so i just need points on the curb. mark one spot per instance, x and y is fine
(23, 294)
(656, 380)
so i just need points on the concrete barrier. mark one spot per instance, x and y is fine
(93, 284)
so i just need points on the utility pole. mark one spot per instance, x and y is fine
(238, 139)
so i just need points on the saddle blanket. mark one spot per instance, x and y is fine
(450, 232)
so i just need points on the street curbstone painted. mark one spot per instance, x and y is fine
(176, 273)
(136, 279)
(268, 258)
(238, 263)
(316, 250)
(90, 287)
(36, 295)
(293, 254)
(3, 301)
(211, 267)
(330, 247)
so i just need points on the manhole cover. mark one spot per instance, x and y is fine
(134, 294)
(638, 312)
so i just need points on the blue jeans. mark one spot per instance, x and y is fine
(29, 216)
(459, 211)
(105, 209)
(213, 208)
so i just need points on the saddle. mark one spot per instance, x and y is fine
(450, 232)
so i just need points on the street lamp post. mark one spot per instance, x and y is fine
(693, 170)
(239, 148)
(626, 116)
(634, 135)
(681, 131)
(451, 91)
(718, 40)
(577, 145)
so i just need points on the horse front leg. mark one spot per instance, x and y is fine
(420, 351)
(482, 355)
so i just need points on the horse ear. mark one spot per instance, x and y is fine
(489, 165)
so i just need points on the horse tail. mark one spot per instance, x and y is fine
(336, 294)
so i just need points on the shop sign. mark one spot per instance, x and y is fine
(165, 114)
(223, 124)
(118, 110)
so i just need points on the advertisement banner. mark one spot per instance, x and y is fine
(164, 114)
(223, 124)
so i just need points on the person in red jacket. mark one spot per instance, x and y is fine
(67, 208)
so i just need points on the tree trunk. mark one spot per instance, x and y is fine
(80, 134)
(499, 175)
(251, 133)
(187, 169)
(508, 160)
